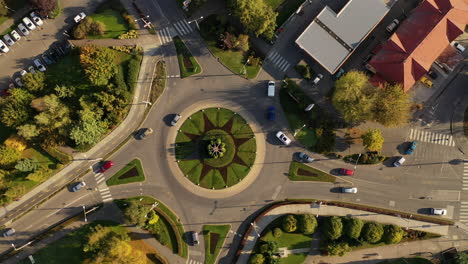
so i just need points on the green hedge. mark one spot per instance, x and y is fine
(60, 156)
(184, 56)
(133, 68)
(366, 158)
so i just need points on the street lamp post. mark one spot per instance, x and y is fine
(84, 211)
(297, 130)
(254, 228)
(355, 165)
(9, 8)
(320, 205)
(142, 18)
(146, 103)
(13, 245)
(196, 21)
(244, 70)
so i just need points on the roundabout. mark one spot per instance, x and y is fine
(215, 148)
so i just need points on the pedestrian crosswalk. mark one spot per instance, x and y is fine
(431, 137)
(182, 27)
(464, 205)
(179, 28)
(105, 194)
(164, 36)
(278, 61)
(465, 177)
(192, 261)
(99, 177)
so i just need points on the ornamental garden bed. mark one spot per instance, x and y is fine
(132, 172)
(187, 63)
(214, 235)
(301, 172)
(215, 148)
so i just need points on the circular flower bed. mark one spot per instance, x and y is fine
(215, 148)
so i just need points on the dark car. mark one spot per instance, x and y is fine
(432, 74)
(411, 148)
(105, 165)
(144, 132)
(348, 172)
(47, 59)
(271, 113)
(77, 186)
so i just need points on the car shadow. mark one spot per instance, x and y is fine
(426, 211)
(335, 190)
(389, 162)
(403, 147)
(335, 172)
(168, 119)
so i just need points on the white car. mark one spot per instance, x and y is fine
(318, 78)
(175, 120)
(23, 29)
(23, 73)
(37, 20)
(39, 65)
(348, 189)
(8, 40)
(392, 26)
(281, 136)
(28, 23)
(436, 211)
(3, 47)
(459, 47)
(79, 17)
(31, 69)
(271, 89)
(18, 81)
(15, 35)
(399, 162)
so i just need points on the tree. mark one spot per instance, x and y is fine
(87, 132)
(34, 82)
(338, 249)
(307, 223)
(462, 258)
(28, 131)
(98, 64)
(277, 232)
(135, 213)
(392, 106)
(8, 156)
(269, 248)
(373, 140)
(353, 96)
(393, 234)
(243, 43)
(256, 16)
(63, 91)
(16, 191)
(26, 165)
(97, 28)
(16, 111)
(40, 175)
(372, 232)
(333, 227)
(45, 7)
(55, 115)
(353, 227)
(16, 142)
(3, 8)
(257, 259)
(289, 223)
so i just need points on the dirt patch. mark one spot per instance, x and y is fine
(223, 171)
(208, 125)
(228, 126)
(303, 172)
(205, 170)
(214, 238)
(188, 63)
(133, 172)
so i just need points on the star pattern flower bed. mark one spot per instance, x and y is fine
(221, 131)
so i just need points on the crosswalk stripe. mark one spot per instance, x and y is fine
(104, 189)
(445, 141)
(287, 67)
(108, 199)
(464, 203)
(187, 26)
(274, 57)
(176, 25)
(104, 192)
(160, 37)
(411, 133)
(106, 196)
(282, 63)
(100, 180)
(168, 34)
(270, 54)
(451, 142)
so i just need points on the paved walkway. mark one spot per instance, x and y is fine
(334, 210)
(144, 38)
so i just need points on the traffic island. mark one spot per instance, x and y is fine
(132, 172)
(215, 235)
(215, 148)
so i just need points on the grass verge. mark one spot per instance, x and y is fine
(132, 172)
(301, 172)
(113, 21)
(187, 63)
(214, 235)
(159, 81)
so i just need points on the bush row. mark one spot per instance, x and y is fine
(365, 158)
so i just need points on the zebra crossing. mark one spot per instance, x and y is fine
(105, 194)
(464, 205)
(278, 61)
(465, 177)
(164, 36)
(430, 137)
(192, 261)
(181, 28)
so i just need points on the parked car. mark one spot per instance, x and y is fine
(39, 65)
(271, 89)
(77, 186)
(8, 40)
(79, 17)
(459, 47)
(411, 148)
(28, 23)
(37, 20)
(347, 172)
(105, 165)
(318, 78)
(23, 73)
(4, 47)
(8, 232)
(23, 29)
(18, 81)
(47, 59)
(15, 35)
(195, 239)
(432, 74)
(426, 81)
(304, 157)
(144, 132)
(348, 189)
(31, 69)
(339, 74)
(175, 119)
(283, 138)
(438, 211)
(271, 113)
(393, 25)
(399, 162)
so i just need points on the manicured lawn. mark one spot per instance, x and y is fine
(67, 71)
(290, 240)
(307, 137)
(214, 239)
(159, 81)
(407, 261)
(301, 172)
(294, 258)
(114, 23)
(131, 172)
(43, 158)
(187, 63)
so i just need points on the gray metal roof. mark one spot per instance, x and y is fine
(331, 38)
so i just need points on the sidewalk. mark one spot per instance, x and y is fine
(335, 210)
(457, 124)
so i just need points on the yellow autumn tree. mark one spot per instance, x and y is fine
(16, 142)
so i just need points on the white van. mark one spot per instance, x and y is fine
(271, 89)
(399, 162)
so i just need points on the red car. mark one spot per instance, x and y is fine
(346, 172)
(106, 165)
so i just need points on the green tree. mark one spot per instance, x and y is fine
(392, 106)
(28, 131)
(16, 191)
(462, 258)
(98, 64)
(55, 115)
(289, 223)
(34, 82)
(393, 234)
(256, 16)
(87, 132)
(40, 175)
(353, 96)
(8, 156)
(373, 139)
(332, 227)
(338, 249)
(15, 111)
(3, 8)
(63, 91)
(277, 232)
(307, 223)
(135, 213)
(26, 165)
(372, 232)
(257, 259)
(353, 227)
(45, 7)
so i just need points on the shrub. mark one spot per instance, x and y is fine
(393, 234)
(26, 165)
(16, 191)
(289, 223)
(257, 259)
(96, 28)
(8, 156)
(277, 232)
(338, 249)
(353, 227)
(304, 71)
(59, 155)
(40, 175)
(82, 29)
(16, 142)
(307, 223)
(133, 71)
(332, 227)
(130, 21)
(131, 34)
(372, 232)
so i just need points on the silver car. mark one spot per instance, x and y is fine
(31, 69)
(8, 40)
(175, 120)
(23, 29)
(15, 35)
(348, 189)
(8, 232)
(3, 47)
(304, 157)
(37, 20)
(28, 23)
(39, 65)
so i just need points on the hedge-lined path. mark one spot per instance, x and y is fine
(364, 215)
(144, 38)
